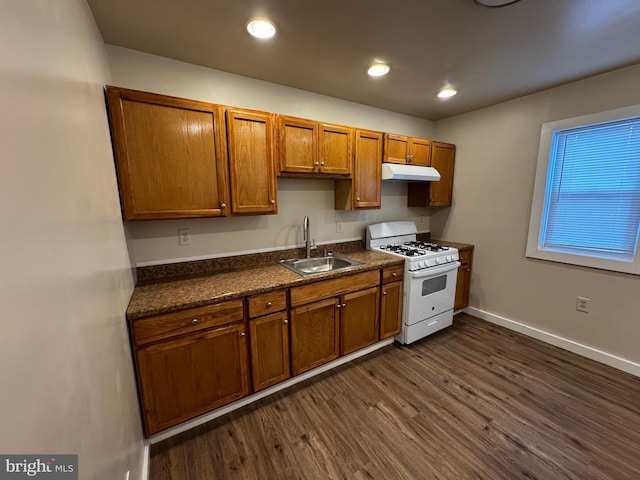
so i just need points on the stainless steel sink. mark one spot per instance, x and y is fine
(309, 266)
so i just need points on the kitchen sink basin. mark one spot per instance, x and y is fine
(309, 266)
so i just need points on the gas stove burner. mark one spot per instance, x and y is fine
(432, 247)
(402, 250)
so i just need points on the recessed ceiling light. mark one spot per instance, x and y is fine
(495, 3)
(447, 92)
(261, 28)
(378, 69)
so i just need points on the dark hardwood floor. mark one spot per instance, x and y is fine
(475, 401)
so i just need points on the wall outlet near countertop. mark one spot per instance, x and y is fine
(338, 227)
(582, 304)
(184, 236)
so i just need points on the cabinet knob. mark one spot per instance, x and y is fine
(338, 306)
(322, 164)
(316, 164)
(358, 199)
(273, 202)
(269, 304)
(384, 293)
(242, 334)
(195, 321)
(344, 305)
(223, 205)
(286, 321)
(468, 269)
(394, 274)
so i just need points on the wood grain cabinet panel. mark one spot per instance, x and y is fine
(358, 319)
(252, 172)
(170, 155)
(406, 150)
(315, 331)
(363, 191)
(269, 338)
(297, 145)
(336, 149)
(463, 281)
(391, 309)
(435, 194)
(187, 376)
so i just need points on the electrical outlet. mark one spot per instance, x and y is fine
(423, 220)
(184, 236)
(338, 227)
(582, 304)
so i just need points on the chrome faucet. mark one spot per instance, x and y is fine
(308, 243)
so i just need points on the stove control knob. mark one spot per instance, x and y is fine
(449, 258)
(423, 264)
(439, 260)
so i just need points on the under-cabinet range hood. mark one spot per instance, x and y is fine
(395, 171)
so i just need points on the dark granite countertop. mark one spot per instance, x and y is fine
(174, 295)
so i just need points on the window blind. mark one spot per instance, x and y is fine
(592, 197)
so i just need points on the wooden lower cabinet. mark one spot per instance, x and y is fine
(391, 309)
(464, 278)
(358, 320)
(314, 335)
(269, 338)
(187, 376)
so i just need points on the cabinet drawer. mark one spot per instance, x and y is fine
(391, 274)
(151, 329)
(267, 303)
(332, 288)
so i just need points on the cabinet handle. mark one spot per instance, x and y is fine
(273, 202)
(344, 305)
(394, 274)
(194, 321)
(384, 293)
(242, 334)
(358, 199)
(322, 164)
(338, 306)
(316, 164)
(223, 205)
(409, 158)
(286, 321)
(269, 304)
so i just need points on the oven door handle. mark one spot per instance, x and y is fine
(431, 271)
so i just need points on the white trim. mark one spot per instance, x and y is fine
(144, 475)
(564, 343)
(183, 427)
(152, 263)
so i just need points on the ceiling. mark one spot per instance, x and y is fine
(325, 46)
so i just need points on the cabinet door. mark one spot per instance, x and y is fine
(314, 335)
(463, 280)
(269, 337)
(368, 169)
(391, 309)
(251, 170)
(359, 320)
(336, 149)
(419, 152)
(442, 159)
(170, 155)
(190, 375)
(298, 145)
(396, 148)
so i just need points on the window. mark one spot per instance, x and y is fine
(586, 204)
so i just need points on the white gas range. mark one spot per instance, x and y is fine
(430, 275)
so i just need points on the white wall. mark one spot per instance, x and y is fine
(157, 242)
(65, 276)
(496, 159)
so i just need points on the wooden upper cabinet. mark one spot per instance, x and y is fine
(363, 191)
(442, 159)
(251, 169)
(297, 145)
(170, 155)
(406, 150)
(306, 147)
(336, 149)
(435, 194)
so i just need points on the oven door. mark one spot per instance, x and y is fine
(429, 292)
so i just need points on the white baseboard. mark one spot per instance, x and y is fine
(564, 343)
(144, 475)
(188, 425)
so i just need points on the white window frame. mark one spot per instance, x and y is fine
(546, 140)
